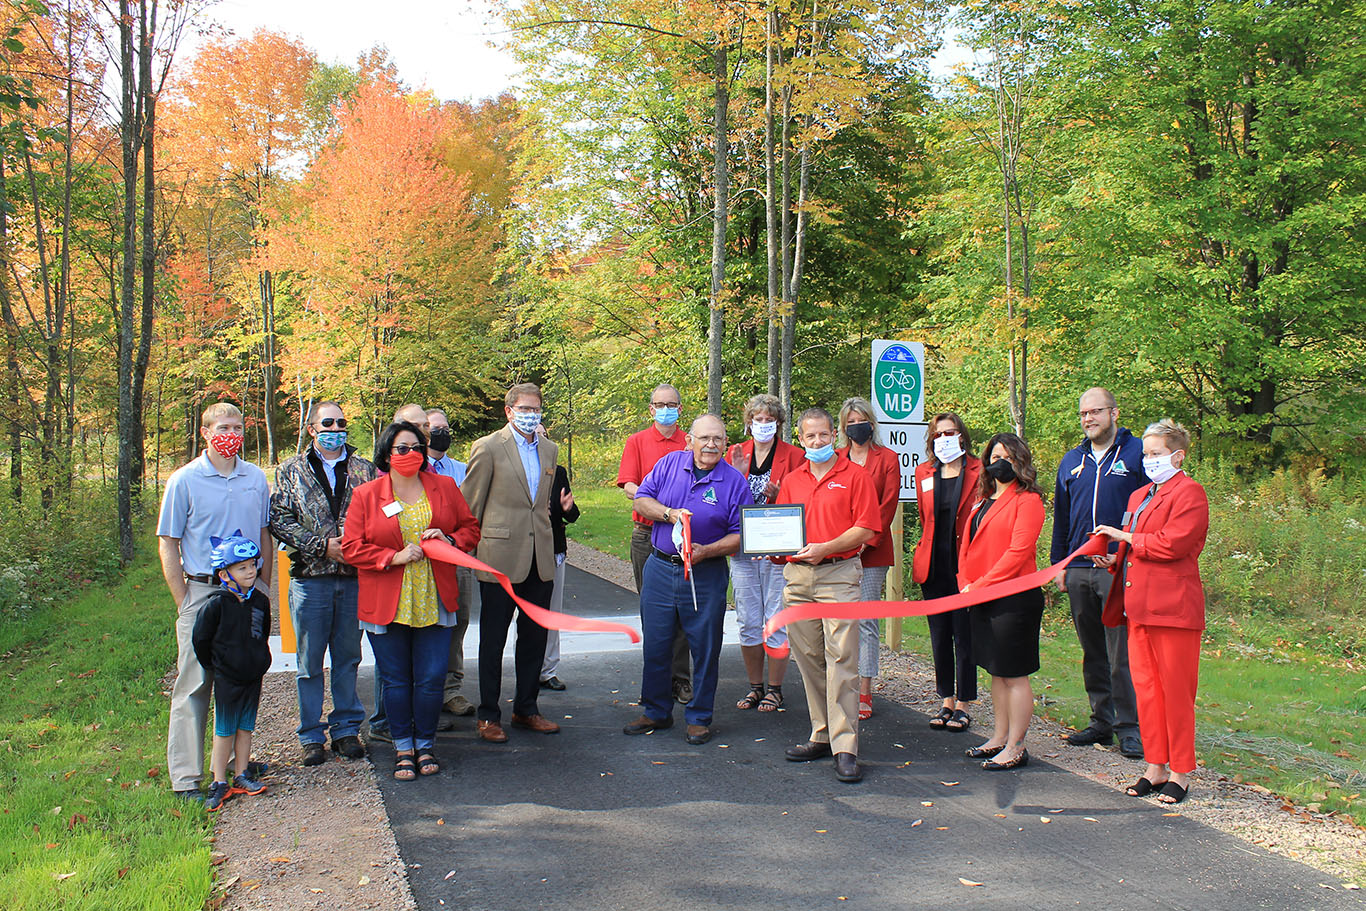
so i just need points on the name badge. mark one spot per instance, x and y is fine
(1125, 521)
(392, 509)
(927, 484)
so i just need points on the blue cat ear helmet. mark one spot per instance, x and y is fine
(235, 549)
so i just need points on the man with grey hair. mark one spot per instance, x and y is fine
(643, 450)
(1094, 482)
(698, 484)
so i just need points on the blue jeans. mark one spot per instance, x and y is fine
(324, 613)
(665, 605)
(412, 664)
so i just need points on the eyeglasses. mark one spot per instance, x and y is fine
(716, 441)
(1094, 412)
(943, 433)
(328, 422)
(404, 448)
(526, 409)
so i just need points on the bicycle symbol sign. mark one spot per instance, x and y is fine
(898, 381)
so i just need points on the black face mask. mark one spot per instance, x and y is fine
(859, 432)
(1001, 470)
(441, 439)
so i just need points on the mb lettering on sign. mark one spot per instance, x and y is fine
(898, 381)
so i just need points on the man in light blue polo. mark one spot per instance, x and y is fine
(694, 482)
(216, 495)
(440, 462)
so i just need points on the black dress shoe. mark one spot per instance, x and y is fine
(805, 752)
(350, 747)
(1130, 747)
(554, 683)
(982, 752)
(645, 724)
(314, 754)
(847, 768)
(1018, 762)
(1089, 736)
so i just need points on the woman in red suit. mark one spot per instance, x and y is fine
(1158, 594)
(859, 427)
(946, 485)
(764, 459)
(1001, 544)
(403, 596)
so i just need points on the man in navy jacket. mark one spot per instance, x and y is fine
(1094, 483)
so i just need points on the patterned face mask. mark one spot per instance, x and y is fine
(227, 444)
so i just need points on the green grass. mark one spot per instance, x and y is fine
(1270, 710)
(604, 520)
(88, 820)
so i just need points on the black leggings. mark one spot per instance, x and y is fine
(955, 672)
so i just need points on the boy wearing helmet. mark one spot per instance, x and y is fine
(232, 640)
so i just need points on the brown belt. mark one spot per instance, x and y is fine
(204, 579)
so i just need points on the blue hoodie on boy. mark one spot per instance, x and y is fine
(1091, 492)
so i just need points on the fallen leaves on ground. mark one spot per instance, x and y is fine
(970, 882)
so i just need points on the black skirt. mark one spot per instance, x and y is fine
(1005, 634)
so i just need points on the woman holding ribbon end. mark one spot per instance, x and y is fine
(858, 425)
(946, 485)
(764, 459)
(1157, 593)
(1000, 545)
(403, 595)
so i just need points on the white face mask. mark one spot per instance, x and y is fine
(1160, 468)
(948, 449)
(763, 431)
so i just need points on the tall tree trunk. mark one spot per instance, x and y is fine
(794, 281)
(128, 414)
(720, 217)
(268, 377)
(64, 305)
(52, 352)
(147, 26)
(14, 382)
(771, 211)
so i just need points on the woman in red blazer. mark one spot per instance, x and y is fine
(946, 485)
(402, 595)
(1157, 592)
(764, 459)
(1001, 544)
(858, 425)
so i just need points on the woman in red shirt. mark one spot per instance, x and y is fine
(1158, 593)
(1001, 544)
(946, 486)
(858, 426)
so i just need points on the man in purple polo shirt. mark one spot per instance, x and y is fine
(694, 482)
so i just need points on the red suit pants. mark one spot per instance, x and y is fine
(1165, 664)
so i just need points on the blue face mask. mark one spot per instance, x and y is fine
(331, 440)
(824, 454)
(666, 416)
(526, 422)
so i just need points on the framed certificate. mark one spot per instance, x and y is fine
(774, 531)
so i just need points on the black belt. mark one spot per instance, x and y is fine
(203, 579)
(828, 560)
(677, 559)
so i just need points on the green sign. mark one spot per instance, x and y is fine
(898, 381)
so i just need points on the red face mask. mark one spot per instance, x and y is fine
(227, 444)
(407, 464)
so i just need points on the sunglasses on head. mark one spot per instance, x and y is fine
(328, 422)
(404, 448)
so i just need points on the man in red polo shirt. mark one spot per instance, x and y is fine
(643, 450)
(841, 515)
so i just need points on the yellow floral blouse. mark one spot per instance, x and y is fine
(417, 601)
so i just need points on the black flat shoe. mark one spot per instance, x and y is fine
(1174, 791)
(1018, 762)
(982, 752)
(1143, 787)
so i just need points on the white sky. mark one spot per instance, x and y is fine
(440, 44)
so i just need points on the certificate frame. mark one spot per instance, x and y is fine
(772, 531)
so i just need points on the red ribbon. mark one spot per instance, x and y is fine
(445, 553)
(868, 610)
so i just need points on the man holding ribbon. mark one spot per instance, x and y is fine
(693, 499)
(508, 488)
(643, 450)
(841, 516)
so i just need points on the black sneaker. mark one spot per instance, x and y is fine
(219, 792)
(1089, 736)
(348, 747)
(193, 795)
(381, 734)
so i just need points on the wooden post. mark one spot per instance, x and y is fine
(287, 640)
(896, 580)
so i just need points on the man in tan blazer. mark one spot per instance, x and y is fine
(508, 489)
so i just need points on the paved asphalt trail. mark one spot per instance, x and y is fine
(591, 819)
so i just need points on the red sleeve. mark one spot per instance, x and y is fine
(1184, 531)
(356, 547)
(1024, 541)
(629, 471)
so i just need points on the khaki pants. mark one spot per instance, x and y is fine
(455, 665)
(189, 696)
(826, 651)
